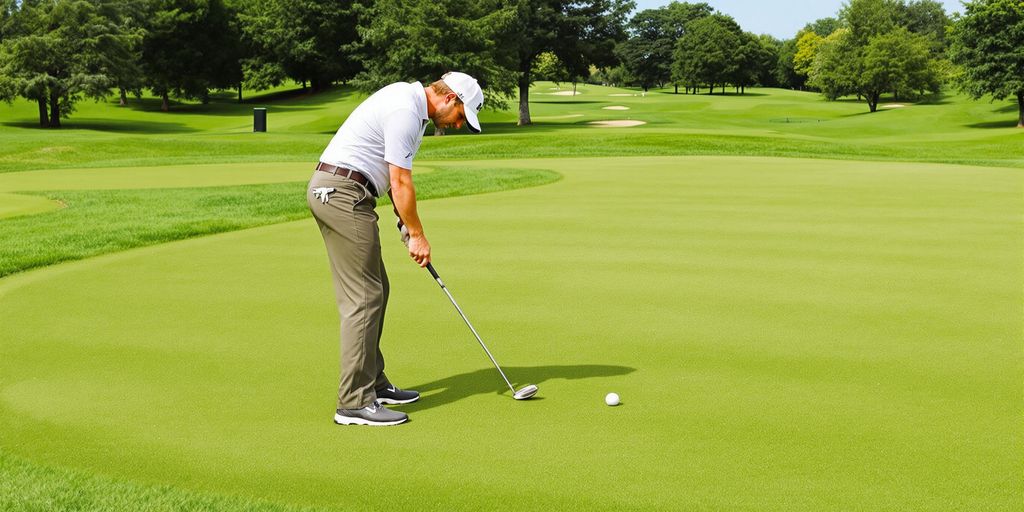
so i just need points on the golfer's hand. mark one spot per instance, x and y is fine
(419, 250)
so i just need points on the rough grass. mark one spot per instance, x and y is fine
(32, 487)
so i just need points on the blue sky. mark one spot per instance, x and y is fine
(780, 18)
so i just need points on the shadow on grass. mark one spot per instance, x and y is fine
(716, 94)
(1008, 123)
(567, 102)
(487, 381)
(219, 105)
(108, 125)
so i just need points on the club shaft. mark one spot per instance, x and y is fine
(463, 315)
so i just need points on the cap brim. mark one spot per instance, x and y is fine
(472, 121)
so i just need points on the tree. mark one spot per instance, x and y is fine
(833, 71)
(807, 46)
(677, 15)
(412, 40)
(823, 27)
(893, 61)
(928, 17)
(125, 64)
(987, 42)
(709, 52)
(648, 51)
(579, 32)
(647, 54)
(785, 71)
(549, 67)
(56, 52)
(751, 57)
(897, 61)
(314, 41)
(768, 60)
(869, 18)
(190, 48)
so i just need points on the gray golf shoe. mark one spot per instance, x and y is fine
(374, 414)
(394, 396)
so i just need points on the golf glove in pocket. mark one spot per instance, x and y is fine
(323, 194)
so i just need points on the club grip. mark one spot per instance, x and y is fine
(430, 268)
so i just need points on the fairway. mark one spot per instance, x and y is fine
(784, 333)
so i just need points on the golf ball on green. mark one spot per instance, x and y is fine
(612, 399)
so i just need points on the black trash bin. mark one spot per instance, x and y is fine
(259, 119)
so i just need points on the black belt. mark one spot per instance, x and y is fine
(353, 175)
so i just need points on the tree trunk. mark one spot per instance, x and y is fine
(239, 93)
(165, 105)
(206, 97)
(44, 118)
(873, 101)
(574, 89)
(1020, 109)
(711, 89)
(524, 94)
(124, 97)
(677, 88)
(54, 110)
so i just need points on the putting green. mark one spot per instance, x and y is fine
(785, 334)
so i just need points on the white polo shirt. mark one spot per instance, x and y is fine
(385, 128)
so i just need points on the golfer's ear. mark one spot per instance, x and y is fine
(450, 97)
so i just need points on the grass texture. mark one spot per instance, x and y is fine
(840, 333)
(785, 334)
(93, 222)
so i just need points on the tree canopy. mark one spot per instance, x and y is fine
(55, 53)
(988, 43)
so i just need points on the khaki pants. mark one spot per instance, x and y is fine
(348, 224)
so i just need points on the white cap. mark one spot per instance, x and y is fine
(469, 92)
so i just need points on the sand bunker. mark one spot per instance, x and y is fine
(620, 123)
(564, 93)
(616, 107)
(892, 105)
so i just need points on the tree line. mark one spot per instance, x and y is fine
(908, 49)
(58, 52)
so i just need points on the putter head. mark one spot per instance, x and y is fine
(525, 393)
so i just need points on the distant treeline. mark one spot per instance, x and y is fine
(56, 52)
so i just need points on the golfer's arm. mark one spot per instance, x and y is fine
(403, 198)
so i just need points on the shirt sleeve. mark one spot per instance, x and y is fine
(403, 132)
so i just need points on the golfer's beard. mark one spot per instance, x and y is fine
(446, 119)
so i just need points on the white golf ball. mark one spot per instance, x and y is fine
(612, 399)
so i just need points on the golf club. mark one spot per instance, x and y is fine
(522, 394)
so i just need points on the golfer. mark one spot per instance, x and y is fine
(370, 155)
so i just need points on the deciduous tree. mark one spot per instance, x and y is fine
(57, 52)
(988, 42)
